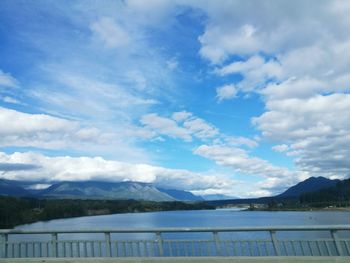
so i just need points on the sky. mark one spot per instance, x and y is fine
(241, 98)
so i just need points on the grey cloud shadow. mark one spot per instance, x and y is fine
(9, 167)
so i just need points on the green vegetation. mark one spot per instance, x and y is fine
(337, 196)
(16, 211)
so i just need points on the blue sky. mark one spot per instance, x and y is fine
(242, 98)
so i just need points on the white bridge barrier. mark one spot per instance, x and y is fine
(281, 241)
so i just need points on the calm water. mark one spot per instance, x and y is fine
(202, 218)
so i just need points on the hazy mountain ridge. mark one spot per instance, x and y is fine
(106, 190)
(98, 190)
(181, 195)
(147, 191)
(10, 188)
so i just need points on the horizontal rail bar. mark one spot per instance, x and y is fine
(185, 230)
(160, 245)
(189, 260)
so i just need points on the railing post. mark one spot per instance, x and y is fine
(275, 242)
(160, 243)
(54, 245)
(337, 242)
(108, 244)
(217, 243)
(3, 245)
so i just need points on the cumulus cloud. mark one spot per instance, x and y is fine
(255, 72)
(218, 42)
(296, 56)
(294, 88)
(316, 128)
(226, 92)
(65, 168)
(36, 130)
(48, 132)
(233, 29)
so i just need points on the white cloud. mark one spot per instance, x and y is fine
(275, 178)
(241, 141)
(296, 56)
(6, 80)
(317, 130)
(165, 126)
(11, 100)
(19, 129)
(241, 66)
(240, 161)
(280, 148)
(255, 71)
(226, 92)
(294, 88)
(180, 116)
(110, 33)
(218, 42)
(182, 125)
(200, 128)
(233, 29)
(65, 168)
(15, 122)
(42, 131)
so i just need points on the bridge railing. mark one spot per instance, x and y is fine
(178, 242)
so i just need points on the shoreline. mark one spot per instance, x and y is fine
(325, 209)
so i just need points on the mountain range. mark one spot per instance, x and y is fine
(97, 190)
(310, 185)
(143, 191)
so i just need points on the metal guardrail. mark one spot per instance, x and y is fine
(178, 242)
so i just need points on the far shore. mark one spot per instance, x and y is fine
(334, 209)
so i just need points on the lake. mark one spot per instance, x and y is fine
(197, 218)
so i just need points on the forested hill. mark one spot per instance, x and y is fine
(15, 211)
(338, 194)
(309, 185)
